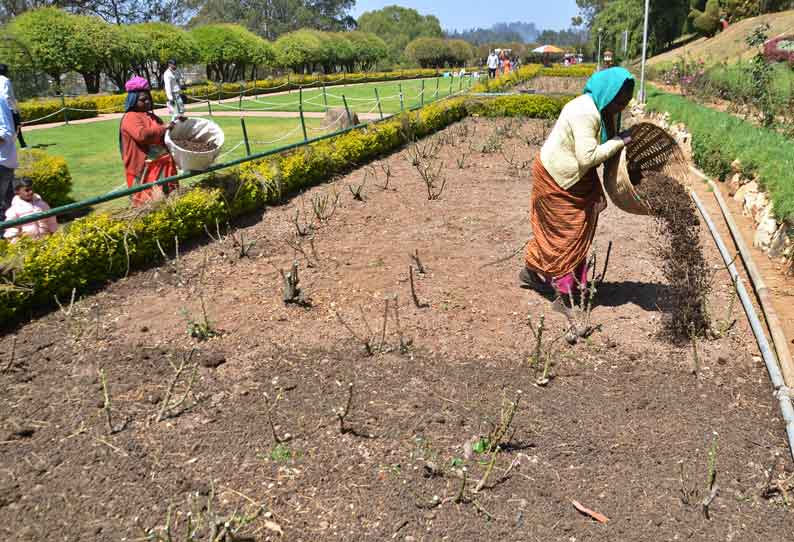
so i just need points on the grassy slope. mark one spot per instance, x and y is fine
(729, 46)
(92, 154)
(719, 138)
(360, 98)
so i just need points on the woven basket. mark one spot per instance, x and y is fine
(651, 150)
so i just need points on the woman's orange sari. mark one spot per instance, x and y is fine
(563, 223)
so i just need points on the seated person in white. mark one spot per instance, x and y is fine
(26, 202)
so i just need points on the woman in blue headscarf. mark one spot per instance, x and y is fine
(566, 192)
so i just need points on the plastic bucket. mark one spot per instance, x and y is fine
(194, 129)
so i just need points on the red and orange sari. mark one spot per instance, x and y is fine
(146, 159)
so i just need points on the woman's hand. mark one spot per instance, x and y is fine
(625, 135)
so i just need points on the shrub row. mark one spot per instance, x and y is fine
(42, 111)
(49, 174)
(578, 70)
(101, 247)
(720, 138)
(505, 82)
(114, 103)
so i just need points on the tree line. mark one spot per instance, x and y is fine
(55, 42)
(669, 21)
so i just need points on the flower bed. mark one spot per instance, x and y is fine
(102, 247)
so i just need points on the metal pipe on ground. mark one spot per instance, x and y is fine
(782, 393)
(759, 285)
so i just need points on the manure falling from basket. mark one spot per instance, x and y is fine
(683, 265)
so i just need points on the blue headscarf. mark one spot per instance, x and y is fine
(603, 87)
(132, 99)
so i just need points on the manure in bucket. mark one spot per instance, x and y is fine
(194, 145)
(684, 266)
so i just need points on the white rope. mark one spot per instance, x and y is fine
(275, 104)
(230, 151)
(42, 118)
(282, 138)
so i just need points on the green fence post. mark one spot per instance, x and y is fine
(245, 137)
(422, 94)
(300, 110)
(63, 106)
(451, 81)
(240, 103)
(209, 106)
(438, 82)
(402, 102)
(303, 123)
(325, 99)
(347, 110)
(460, 85)
(377, 98)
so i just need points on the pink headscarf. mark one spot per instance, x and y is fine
(136, 84)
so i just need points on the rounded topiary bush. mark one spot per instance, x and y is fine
(50, 176)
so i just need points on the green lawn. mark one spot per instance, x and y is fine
(91, 150)
(360, 98)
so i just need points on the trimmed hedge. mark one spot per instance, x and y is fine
(504, 82)
(50, 176)
(524, 105)
(114, 103)
(41, 111)
(720, 138)
(100, 247)
(579, 70)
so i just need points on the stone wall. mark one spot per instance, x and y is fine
(774, 237)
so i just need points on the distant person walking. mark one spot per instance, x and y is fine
(493, 65)
(173, 90)
(506, 65)
(7, 92)
(8, 156)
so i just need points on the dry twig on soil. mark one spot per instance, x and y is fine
(292, 293)
(107, 407)
(419, 304)
(419, 266)
(269, 413)
(434, 179)
(325, 205)
(168, 409)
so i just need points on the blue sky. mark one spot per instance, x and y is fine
(460, 14)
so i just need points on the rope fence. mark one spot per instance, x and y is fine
(122, 191)
(269, 105)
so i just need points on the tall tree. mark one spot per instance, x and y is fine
(398, 26)
(590, 9)
(112, 11)
(272, 18)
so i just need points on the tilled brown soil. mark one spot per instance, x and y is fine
(622, 417)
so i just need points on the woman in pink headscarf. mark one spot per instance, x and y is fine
(142, 144)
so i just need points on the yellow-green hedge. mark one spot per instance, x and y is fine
(578, 70)
(114, 103)
(101, 247)
(536, 106)
(41, 111)
(50, 175)
(504, 82)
